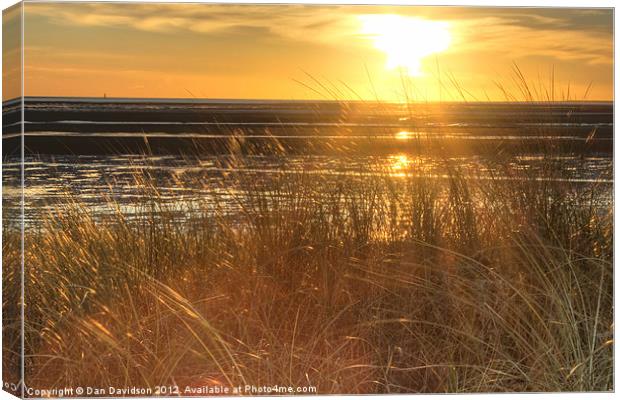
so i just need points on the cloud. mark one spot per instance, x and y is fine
(293, 21)
(505, 37)
(562, 34)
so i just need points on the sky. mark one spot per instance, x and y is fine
(316, 52)
(11, 53)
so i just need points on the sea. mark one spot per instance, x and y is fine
(96, 149)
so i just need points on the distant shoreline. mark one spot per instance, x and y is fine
(180, 100)
(96, 126)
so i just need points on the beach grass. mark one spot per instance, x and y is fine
(406, 285)
(363, 284)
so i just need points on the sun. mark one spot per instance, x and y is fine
(406, 40)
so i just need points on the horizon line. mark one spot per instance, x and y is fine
(257, 100)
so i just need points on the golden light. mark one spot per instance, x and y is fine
(399, 162)
(403, 135)
(406, 40)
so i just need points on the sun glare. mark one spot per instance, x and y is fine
(399, 162)
(403, 135)
(406, 40)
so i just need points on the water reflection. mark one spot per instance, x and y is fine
(403, 135)
(399, 164)
(52, 180)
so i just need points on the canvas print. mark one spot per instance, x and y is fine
(244, 199)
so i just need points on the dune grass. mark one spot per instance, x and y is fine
(361, 284)
(386, 285)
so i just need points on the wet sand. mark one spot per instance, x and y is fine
(83, 126)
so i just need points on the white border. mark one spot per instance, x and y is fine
(480, 3)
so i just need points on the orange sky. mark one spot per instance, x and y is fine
(301, 52)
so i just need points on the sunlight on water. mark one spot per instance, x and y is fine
(51, 180)
(403, 135)
(399, 164)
